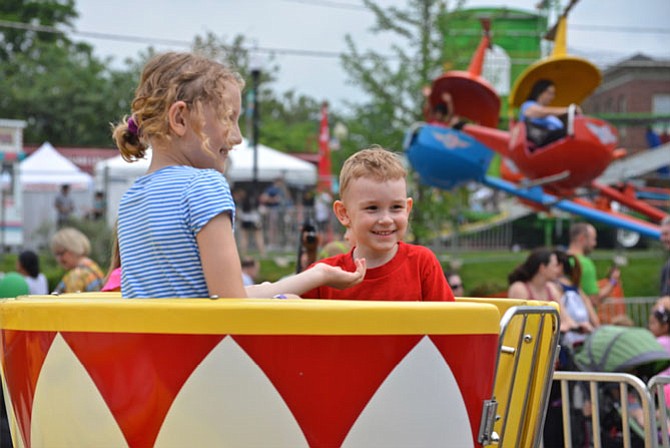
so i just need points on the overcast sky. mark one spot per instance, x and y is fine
(605, 31)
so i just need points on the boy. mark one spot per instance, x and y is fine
(374, 208)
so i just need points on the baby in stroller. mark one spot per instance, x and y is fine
(631, 350)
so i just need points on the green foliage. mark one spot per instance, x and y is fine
(288, 121)
(17, 41)
(66, 95)
(100, 236)
(395, 99)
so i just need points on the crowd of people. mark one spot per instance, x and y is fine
(66, 212)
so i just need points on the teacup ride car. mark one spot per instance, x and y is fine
(94, 369)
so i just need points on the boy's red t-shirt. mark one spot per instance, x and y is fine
(414, 274)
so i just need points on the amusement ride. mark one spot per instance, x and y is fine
(551, 175)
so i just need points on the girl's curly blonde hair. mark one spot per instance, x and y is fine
(166, 78)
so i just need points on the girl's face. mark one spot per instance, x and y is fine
(552, 270)
(657, 327)
(547, 96)
(221, 132)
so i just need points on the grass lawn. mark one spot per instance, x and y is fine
(483, 272)
(486, 272)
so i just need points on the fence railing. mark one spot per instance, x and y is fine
(637, 308)
(642, 408)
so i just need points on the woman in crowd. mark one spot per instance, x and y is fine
(535, 279)
(71, 249)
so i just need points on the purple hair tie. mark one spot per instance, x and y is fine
(132, 126)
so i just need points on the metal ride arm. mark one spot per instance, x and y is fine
(577, 207)
(630, 202)
(572, 111)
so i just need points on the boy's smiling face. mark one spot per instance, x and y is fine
(377, 212)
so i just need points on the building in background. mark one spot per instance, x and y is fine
(634, 94)
(11, 200)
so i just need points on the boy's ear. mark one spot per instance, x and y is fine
(410, 203)
(177, 118)
(341, 212)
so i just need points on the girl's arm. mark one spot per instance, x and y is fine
(539, 111)
(320, 274)
(219, 258)
(593, 316)
(567, 323)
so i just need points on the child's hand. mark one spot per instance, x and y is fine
(338, 278)
(585, 327)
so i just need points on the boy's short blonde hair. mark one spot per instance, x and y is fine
(374, 163)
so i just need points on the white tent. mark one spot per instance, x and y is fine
(41, 176)
(46, 170)
(115, 175)
(271, 165)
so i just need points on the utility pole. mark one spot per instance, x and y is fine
(255, 81)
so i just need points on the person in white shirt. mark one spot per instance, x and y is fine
(28, 265)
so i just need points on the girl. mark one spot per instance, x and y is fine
(176, 223)
(537, 110)
(659, 324)
(578, 307)
(535, 279)
(28, 265)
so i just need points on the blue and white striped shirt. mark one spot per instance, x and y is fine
(159, 218)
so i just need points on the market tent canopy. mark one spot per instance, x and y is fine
(115, 175)
(272, 164)
(46, 170)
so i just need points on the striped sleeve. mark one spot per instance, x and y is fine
(207, 196)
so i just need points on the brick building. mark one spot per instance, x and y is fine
(634, 94)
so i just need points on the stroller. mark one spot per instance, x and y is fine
(631, 350)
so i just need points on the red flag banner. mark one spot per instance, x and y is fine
(325, 172)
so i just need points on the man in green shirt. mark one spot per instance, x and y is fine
(583, 239)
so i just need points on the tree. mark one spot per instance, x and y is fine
(21, 38)
(65, 94)
(288, 121)
(394, 86)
